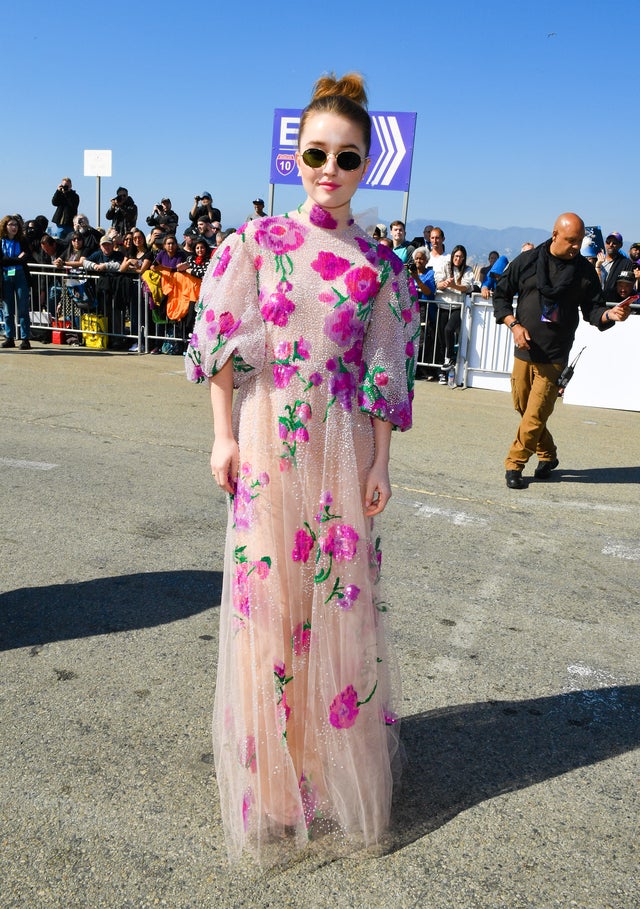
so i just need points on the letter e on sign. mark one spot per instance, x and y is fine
(289, 129)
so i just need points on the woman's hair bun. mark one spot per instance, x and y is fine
(351, 86)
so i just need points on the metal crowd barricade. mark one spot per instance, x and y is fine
(484, 350)
(56, 297)
(164, 337)
(60, 297)
(432, 322)
(485, 355)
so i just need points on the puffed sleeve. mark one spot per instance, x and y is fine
(228, 319)
(389, 349)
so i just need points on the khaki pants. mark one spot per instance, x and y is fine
(534, 392)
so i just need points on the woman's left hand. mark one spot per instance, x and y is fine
(377, 491)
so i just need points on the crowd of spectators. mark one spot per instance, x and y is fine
(172, 265)
(443, 280)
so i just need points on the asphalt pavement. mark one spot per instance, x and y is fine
(515, 619)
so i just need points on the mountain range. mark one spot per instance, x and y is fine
(479, 241)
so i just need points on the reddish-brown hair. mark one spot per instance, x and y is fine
(345, 97)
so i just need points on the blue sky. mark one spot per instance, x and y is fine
(524, 110)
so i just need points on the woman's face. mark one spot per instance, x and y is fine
(12, 229)
(201, 249)
(421, 260)
(329, 185)
(458, 258)
(138, 239)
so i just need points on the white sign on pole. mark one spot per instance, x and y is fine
(97, 162)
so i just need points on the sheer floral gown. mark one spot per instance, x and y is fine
(321, 325)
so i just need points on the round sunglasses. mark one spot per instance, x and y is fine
(317, 157)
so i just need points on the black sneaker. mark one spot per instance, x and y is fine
(544, 469)
(24, 345)
(8, 342)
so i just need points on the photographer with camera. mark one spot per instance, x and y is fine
(164, 217)
(67, 202)
(123, 212)
(203, 205)
(423, 278)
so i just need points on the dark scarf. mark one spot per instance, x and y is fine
(550, 294)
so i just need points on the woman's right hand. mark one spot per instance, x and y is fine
(225, 462)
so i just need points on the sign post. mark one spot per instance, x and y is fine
(391, 151)
(97, 163)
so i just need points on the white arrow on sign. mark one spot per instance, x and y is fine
(393, 151)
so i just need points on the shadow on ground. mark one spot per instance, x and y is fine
(630, 475)
(460, 756)
(40, 615)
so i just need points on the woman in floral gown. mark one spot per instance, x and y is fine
(314, 324)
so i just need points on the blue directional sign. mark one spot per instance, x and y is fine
(391, 152)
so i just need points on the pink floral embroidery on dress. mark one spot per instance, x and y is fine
(284, 364)
(345, 596)
(283, 710)
(303, 544)
(277, 309)
(362, 283)
(342, 385)
(329, 266)
(322, 218)
(325, 514)
(385, 254)
(247, 489)
(315, 379)
(247, 753)
(241, 591)
(247, 802)
(345, 707)
(309, 797)
(301, 638)
(222, 262)
(332, 297)
(340, 542)
(281, 236)
(219, 329)
(292, 429)
(240, 586)
(342, 326)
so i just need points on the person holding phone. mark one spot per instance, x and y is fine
(554, 285)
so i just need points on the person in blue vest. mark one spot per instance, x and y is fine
(15, 281)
